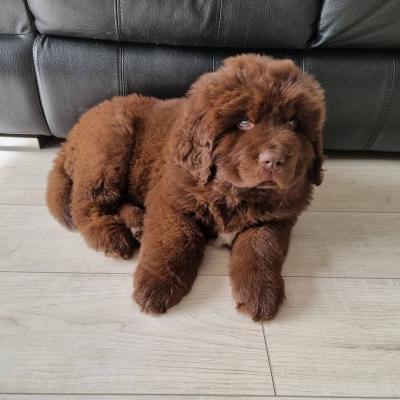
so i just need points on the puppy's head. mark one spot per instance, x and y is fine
(255, 122)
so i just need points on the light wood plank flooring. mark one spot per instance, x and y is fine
(69, 330)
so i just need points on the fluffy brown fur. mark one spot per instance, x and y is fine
(239, 154)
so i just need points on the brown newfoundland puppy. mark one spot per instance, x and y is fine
(235, 158)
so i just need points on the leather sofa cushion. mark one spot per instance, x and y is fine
(355, 23)
(359, 95)
(211, 23)
(387, 136)
(74, 75)
(20, 109)
(14, 17)
(362, 92)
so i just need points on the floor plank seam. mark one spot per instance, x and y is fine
(341, 277)
(306, 211)
(200, 395)
(268, 359)
(22, 204)
(200, 275)
(352, 211)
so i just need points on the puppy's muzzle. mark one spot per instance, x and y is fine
(272, 160)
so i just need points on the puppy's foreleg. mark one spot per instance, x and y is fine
(171, 251)
(255, 269)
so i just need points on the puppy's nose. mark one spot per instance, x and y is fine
(271, 159)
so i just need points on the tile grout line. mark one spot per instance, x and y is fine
(268, 358)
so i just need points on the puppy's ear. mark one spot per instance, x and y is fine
(196, 129)
(195, 145)
(316, 173)
(316, 118)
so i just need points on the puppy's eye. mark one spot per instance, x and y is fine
(245, 125)
(292, 123)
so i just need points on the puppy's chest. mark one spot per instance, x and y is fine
(226, 223)
(225, 239)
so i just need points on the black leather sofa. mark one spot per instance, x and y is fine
(60, 57)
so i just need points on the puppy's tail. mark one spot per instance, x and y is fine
(58, 195)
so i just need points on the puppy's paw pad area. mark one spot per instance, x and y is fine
(114, 239)
(121, 245)
(156, 296)
(132, 215)
(260, 302)
(133, 218)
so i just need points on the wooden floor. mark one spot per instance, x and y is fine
(69, 329)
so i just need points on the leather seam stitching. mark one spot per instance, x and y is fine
(18, 34)
(31, 19)
(116, 24)
(219, 23)
(116, 18)
(386, 105)
(121, 55)
(119, 69)
(34, 61)
(312, 41)
(123, 70)
(119, 15)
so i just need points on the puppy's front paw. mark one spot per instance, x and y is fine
(260, 297)
(155, 295)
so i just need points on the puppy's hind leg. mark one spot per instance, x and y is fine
(94, 208)
(105, 139)
(58, 195)
(96, 216)
(108, 233)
